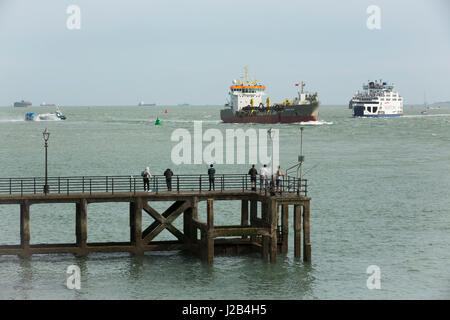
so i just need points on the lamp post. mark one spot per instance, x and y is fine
(271, 133)
(46, 135)
(301, 158)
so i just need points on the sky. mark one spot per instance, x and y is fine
(178, 51)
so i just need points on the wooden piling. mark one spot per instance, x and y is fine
(209, 234)
(284, 228)
(81, 226)
(272, 212)
(297, 230)
(265, 238)
(306, 233)
(244, 215)
(253, 216)
(25, 228)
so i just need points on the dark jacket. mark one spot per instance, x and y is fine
(253, 172)
(168, 173)
(211, 172)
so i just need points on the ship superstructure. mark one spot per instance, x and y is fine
(378, 99)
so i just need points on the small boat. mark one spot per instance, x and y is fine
(57, 115)
(423, 112)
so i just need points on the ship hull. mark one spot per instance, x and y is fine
(22, 104)
(358, 111)
(289, 114)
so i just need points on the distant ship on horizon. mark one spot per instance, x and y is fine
(141, 103)
(43, 104)
(22, 104)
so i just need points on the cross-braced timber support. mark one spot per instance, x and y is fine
(263, 228)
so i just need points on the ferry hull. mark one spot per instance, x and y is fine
(358, 111)
(290, 114)
(380, 115)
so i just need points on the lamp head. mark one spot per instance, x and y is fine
(46, 135)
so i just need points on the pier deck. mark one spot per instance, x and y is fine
(265, 231)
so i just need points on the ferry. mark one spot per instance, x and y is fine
(57, 115)
(378, 99)
(246, 105)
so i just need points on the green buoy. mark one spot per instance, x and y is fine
(158, 122)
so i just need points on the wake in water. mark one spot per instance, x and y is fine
(315, 123)
(191, 121)
(426, 115)
(15, 119)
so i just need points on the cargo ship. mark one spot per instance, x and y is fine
(22, 104)
(246, 105)
(378, 99)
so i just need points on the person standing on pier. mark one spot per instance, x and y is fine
(168, 174)
(263, 176)
(278, 175)
(146, 176)
(253, 173)
(211, 173)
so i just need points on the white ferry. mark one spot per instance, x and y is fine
(377, 100)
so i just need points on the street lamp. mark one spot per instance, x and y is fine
(271, 134)
(301, 158)
(46, 135)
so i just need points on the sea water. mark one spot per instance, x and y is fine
(379, 189)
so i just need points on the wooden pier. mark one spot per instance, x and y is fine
(265, 231)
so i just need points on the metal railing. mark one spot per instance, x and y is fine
(114, 184)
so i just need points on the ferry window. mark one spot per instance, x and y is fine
(375, 109)
(369, 109)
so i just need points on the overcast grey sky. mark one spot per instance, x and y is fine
(176, 51)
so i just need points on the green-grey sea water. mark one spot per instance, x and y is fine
(379, 188)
